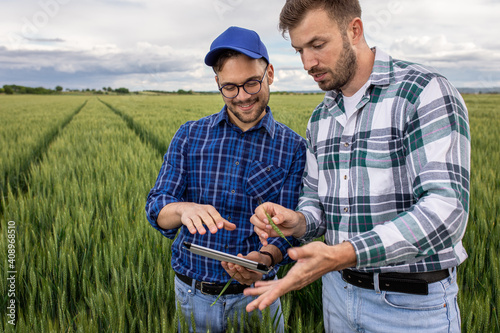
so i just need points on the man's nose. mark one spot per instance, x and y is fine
(308, 60)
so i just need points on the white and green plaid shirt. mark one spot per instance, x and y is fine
(393, 179)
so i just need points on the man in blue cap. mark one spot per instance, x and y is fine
(216, 171)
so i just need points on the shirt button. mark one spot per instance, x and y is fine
(237, 163)
(346, 144)
(346, 209)
(233, 191)
(268, 169)
(229, 218)
(345, 177)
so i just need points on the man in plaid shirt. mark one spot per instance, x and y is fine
(386, 183)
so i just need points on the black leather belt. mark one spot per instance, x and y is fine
(408, 283)
(213, 288)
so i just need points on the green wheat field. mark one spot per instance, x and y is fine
(78, 255)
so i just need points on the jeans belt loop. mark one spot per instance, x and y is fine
(376, 284)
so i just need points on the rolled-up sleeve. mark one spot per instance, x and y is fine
(289, 194)
(171, 182)
(310, 205)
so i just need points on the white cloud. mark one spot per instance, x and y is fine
(293, 79)
(160, 44)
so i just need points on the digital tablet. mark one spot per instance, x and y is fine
(221, 256)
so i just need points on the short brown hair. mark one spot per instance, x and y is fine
(341, 11)
(227, 54)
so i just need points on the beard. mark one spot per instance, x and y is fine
(343, 72)
(259, 107)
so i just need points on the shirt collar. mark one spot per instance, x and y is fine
(267, 122)
(383, 69)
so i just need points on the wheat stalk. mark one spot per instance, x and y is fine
(275, 227)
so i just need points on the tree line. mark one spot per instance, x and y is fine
(15, 89)
(10, 89)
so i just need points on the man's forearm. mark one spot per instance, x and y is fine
(301, 226)
(347, 253)
(275, 252)
(170, 217)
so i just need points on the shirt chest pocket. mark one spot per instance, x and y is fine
(379, 163)
(264, 181)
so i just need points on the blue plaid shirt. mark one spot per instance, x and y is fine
(211, 161)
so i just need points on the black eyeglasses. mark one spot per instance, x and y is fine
(251, 87)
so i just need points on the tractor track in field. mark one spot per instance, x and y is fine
(19, 181)
(145, 136)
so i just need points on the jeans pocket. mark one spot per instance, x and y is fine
(181, 294)
(433, 301)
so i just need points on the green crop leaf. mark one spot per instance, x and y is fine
(223, 290)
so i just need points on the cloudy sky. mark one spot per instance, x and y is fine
(161, 44)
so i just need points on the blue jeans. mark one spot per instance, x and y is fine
(347, 308)
(228, 308)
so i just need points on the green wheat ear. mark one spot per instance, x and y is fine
(275, 227)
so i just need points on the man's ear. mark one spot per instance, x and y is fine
(270, 74)
(355, 30)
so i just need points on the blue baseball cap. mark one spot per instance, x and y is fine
(239, 39)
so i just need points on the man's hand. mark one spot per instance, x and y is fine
(313, 261)
(247, 276)
(291, 223)
(194, 216)
(242, 274)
